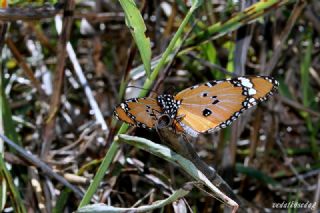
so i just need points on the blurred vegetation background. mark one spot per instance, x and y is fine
(65, 65)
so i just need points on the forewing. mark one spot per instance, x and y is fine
(140, 112)
(216, 104)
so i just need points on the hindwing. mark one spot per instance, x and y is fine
(140, 112)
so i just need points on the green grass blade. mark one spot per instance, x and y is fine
(210, 53)
(283, 89)
(101, 172)
(16, 200)
(254, 173)
(149, 82)
(7, 124)
(62, 201)
(7, 128)
(3, 186)
(230, 46)
(3, 191)
(221, 28)
(304, 69)
(196, 4)
(308, 93)
(137, 27)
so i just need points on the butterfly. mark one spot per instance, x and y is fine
(203, 108)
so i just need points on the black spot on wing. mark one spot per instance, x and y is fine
(206, 112)
(215, 101)
(204, 94)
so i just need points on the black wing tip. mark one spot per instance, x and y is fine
(275, 84)
(271, 79)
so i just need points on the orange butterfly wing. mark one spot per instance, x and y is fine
(140, 112)
(214, 105)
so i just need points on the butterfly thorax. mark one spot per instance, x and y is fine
(169, 105)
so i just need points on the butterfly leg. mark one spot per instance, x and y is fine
(180, 117)
(154, 113)
(176, 122)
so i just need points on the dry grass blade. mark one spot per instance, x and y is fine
(29, 13)
(25, 67)
(300, 5)
(37, 162)
(49, 130)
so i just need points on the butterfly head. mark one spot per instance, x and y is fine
(168, 104)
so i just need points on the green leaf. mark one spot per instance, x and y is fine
(146, 208)
(210, 53)
(196, 3)
(137, 27)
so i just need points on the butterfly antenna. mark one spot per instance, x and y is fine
(149, 90)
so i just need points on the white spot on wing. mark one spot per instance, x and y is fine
(252, 91)
(245, 82)
(208, 84)
(252, 100)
